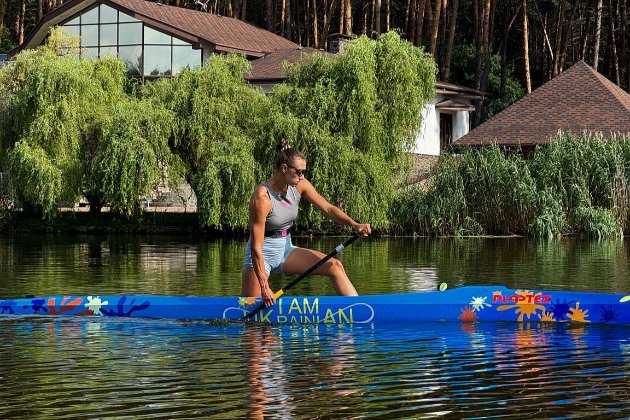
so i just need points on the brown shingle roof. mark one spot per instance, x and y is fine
(578, 99)
(219, 33)
(271, 67)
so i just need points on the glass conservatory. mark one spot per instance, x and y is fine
(105, 31)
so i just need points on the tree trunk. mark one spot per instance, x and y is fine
(315, 23)
(435, 28)
(528, 78)
(613, 45)
(244, 10)
(348, 17)
(427, 17)
(598, 33)
(567, 39)
(283, 11)
(409, 14)
(377, 16)
(327, 20)
(504, 47)
(269, 17)
(288, 33)
(40, 9)
(342, 12)
(558, 44)
(3, 10)
(483, 63)
(388, 14)
(451, 40)
(20, 25)
(625, 54)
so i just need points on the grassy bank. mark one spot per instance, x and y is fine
(577, 185)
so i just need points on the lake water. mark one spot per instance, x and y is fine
(80, 368)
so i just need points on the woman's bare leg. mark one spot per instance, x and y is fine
(301, 259)
(249, 283)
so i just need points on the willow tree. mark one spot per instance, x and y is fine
(219, 119)
(68, 126)
(359, 112)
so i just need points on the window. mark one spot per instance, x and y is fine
(108, 14)
(104, 32)
(130, 33)
(157, 60)
(109, 35)
(185, 57)
(151, 36)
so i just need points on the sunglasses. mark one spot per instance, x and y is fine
(298, 172)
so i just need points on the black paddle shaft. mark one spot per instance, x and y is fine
(299, 278)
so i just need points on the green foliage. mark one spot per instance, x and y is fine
(551, 220)
(597, 223)
(501, 91)
(574, 185)
(353, 115)
(218, 119)
(68, 126)
(39, 178)
(500, 191)
(132, 157)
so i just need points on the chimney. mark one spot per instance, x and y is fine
(336, 42)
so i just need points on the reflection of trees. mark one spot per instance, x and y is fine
(117, 264)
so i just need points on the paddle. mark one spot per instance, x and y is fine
(296, 280)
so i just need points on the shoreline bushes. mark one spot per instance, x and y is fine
(575, 185)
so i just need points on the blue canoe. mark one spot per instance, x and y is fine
(465, 304)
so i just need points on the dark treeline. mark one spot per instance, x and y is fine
(536, 39)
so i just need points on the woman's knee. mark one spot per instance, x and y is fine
(335, 267)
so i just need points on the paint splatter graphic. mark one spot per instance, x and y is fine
(525, 307)
(67, 304)
(578, 315)
(246, 302)
(467, 314)
(608, 313)
(120, 308)
(94, 304)
(478, 303)
(562, 308)
(546, 317)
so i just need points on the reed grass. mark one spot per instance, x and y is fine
(575, 185)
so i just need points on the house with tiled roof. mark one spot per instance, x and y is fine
(156, 40)
(444, 119)
(153, 39)
(577, 100)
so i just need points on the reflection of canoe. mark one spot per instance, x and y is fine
(471, 303)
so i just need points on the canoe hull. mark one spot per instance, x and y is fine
(465, 304)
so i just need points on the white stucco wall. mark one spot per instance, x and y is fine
(461, 124)
(428, 137)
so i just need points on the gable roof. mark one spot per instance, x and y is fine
(218, 33)
(579, 99)
(270, 68)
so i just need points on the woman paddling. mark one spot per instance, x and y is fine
(272, 210)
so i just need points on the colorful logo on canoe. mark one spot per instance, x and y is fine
(528, 305)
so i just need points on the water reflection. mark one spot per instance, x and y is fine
(122, 368)
(91, 264)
